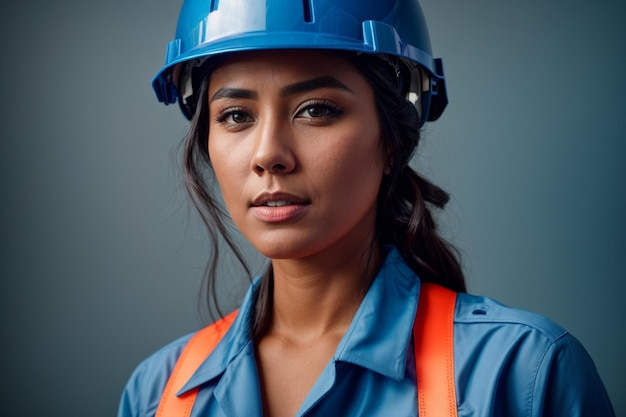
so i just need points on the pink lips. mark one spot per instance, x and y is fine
(278, 207)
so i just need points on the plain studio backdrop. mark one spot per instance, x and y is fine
(101, 257)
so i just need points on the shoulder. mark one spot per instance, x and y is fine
(524, 353)
(473, 310)
(504, 335)
(143, 390)
(145, 386)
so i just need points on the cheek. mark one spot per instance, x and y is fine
(216, 160)
(354, 169)
(360, 154)
(226, 165)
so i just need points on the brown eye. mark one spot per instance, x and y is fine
(234, 117)
(319, 109)
(240, 117)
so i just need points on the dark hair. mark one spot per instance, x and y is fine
(405, 201)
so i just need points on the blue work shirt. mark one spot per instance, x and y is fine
(507, 363)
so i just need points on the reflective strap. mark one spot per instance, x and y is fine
(433, 338)
(194, 354)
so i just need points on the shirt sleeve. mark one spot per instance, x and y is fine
(142, 393)
(568, 384)
(128, 406)
(143, 390)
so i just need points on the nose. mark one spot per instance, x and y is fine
(273, 152)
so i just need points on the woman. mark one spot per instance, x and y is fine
(307, 114)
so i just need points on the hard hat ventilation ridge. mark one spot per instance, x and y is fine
(308, 10)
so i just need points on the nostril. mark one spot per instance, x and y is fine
(276, 168)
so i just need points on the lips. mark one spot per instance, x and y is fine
(277, 200)
(278, 207)
(277, 203)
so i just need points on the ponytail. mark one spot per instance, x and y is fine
(406, 199)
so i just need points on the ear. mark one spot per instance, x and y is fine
(388, 166)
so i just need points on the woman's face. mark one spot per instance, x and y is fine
(295, 143)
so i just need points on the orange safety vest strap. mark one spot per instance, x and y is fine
(195, 352)
(433, 340)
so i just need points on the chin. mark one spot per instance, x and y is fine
(282, 252)
(286, 249)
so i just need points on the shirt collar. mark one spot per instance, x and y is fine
(377, 338)
(380, 333)
(233, 343)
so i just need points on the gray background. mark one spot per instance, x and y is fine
(101, 258)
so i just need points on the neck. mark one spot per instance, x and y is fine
(318, 297)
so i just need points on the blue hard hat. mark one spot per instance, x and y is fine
(390, 28)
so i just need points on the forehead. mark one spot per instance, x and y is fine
(263, 66)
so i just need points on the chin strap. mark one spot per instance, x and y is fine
(433, 340)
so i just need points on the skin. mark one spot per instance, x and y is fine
(314, 149)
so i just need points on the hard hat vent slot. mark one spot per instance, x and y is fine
(308, 10)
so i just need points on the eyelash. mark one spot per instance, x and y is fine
(226, 113)
(332, 111)
(331, 108)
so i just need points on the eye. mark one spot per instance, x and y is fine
(233, 117)
(318, 109)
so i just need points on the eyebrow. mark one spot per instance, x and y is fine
(228, 92)
(313, 84)
(288, 90)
